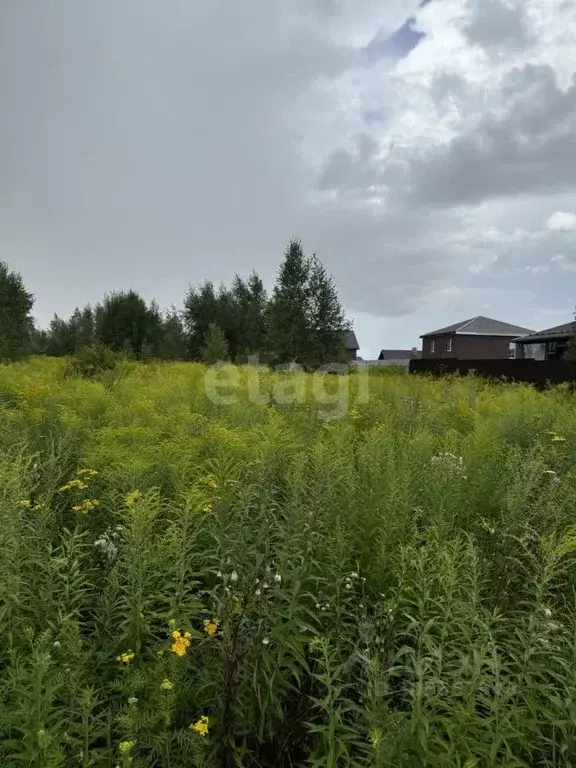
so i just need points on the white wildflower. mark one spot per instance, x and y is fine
(234, 577)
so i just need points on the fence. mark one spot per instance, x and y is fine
(542, 373)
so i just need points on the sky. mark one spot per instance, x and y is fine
(425, 151)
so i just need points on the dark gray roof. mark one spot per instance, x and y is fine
(565, 331)
(351, 340)
(398, 354)
(481, 326)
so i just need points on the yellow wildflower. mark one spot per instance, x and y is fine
(87, 472)
(166, 685)
(180, 642)
(131, 498)
(25, 504)
(86, 505)
(126, 746)
(210, 481)
(201, 726)
(79, 484)
(211, 627)
(207, 507)
(558, 439)
(125, 658)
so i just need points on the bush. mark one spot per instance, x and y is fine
(92, 361)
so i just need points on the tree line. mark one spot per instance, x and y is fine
(300, 321)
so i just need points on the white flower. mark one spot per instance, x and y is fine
(354, 575)
(57, 643)
(234, 577)
(547, 612)
(265, 641)
(132, 700)
(318, 606)
(258, 592)
(348, 586)
(265, 585)
(219, 574)
(278, 578)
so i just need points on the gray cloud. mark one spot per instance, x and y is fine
(495, 23)
(531, 148)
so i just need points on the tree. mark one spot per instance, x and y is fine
(215, 348)
(200, 309)
(306, 322)
(174, 345)
(250, 302)
(289, 332)
(16, 321)
(327, 318)
(124, 323)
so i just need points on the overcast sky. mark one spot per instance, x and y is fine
(426, 152)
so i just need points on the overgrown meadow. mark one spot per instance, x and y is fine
(185, 582)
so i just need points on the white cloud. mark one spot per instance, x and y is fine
(563, 221)
(565, 264)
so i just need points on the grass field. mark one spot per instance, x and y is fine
(188, 582)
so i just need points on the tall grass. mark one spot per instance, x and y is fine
(248, 584)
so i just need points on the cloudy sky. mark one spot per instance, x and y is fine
(426, 151)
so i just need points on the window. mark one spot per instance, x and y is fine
(449, 345)
(511, 351)
(432, 346)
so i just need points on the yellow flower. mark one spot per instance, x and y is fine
(201, 726)
(558, 439)
(210, 481)
(180, 642)
(25, 504)
(131, 498)
(207, 507)
(86, 505)
(87, 472)
(79, 484)
(126, 746)
(211, 627)
(125, 658)
(166, 685)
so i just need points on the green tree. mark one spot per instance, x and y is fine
(200, 309)
(215, 349)
(124, 323)
(16, 321)
(250, 303)
(327, 318)
(174, 345)
(289, 331)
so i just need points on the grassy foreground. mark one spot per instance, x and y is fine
(191, 583)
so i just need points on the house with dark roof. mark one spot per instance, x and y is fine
(479, 338)
(400, 354)
(351, 346)
(549, 344)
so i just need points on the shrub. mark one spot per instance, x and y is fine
(92, 361)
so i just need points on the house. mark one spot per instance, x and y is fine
(398, 356)
(351, 346)
(480, 338)
(549, 344)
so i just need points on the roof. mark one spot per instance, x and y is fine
(481, 326)
(398, 354)
(565, 331)
(351, 340)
